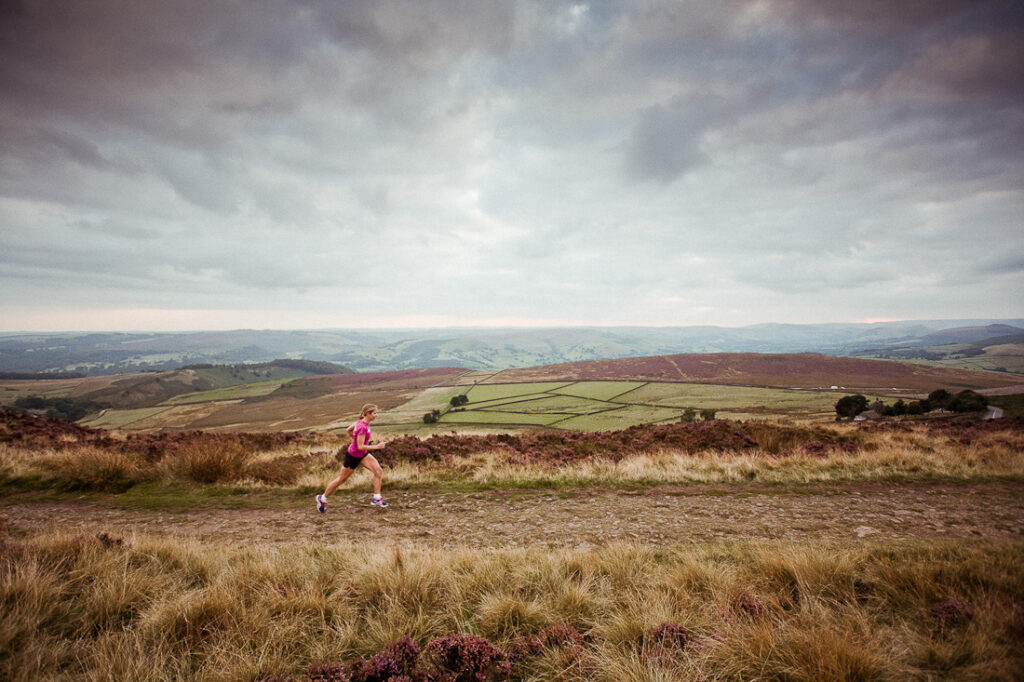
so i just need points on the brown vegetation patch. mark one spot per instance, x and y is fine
(803, 370)
(286, 413)
(34, 432)
(143, 390)
(311, 387)
(555, 449)
(952, 612)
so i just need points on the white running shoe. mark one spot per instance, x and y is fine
(379, 502)
(321, 504)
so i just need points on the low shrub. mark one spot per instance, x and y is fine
(394, 661)
(671, 636)
(96, 469)
(467, 658)
(952, 612)
(277, 471)
(211, 463)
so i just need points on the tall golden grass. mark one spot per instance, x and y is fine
(155, 609)
(885, 455)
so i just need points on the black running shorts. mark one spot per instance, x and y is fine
(352, 462)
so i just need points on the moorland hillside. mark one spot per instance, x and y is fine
(587, 395)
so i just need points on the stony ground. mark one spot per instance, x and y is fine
(571, 518)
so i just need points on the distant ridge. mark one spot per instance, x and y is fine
(970, 334)
(803, 370)
(474, 348)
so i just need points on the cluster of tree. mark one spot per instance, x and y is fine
(70, 409)
(941, 399)
(459, 400)
(432, 417)
(311, 366)
(690, 415)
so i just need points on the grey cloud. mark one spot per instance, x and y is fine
(201, 182)
(120, 228)
(785, 274)
(421, 35)
(666, 141)
(45, 145)
(622, 149)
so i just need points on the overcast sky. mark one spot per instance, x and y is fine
(212, 164)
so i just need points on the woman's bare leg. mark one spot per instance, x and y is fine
(342, 477)
(371, 463)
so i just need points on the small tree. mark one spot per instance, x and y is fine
(432, 417)
(939, 399)
(916, 408)
(968, 401)
(689, 415)
(707, 415)
(851, 405)
(458, 400)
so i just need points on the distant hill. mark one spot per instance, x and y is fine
(807, 371)
(972, 348)
(481, 348)
(275, 398)
(969, 334)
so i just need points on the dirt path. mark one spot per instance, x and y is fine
(581, 518)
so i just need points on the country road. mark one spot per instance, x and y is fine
(571, 518)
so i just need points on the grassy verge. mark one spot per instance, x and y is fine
(226, 473)
(153, 609)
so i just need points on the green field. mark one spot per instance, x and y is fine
(489, 417)
(223, 375)
(599, 390)
(619, 418)
(235, 392)
(551, 404)
(12, 390)
(115, 419)
(709, 396)
(489, 392)
(604, 405)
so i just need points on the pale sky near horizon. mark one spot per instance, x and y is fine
(214, 164)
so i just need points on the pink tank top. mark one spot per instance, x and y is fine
(353, 449)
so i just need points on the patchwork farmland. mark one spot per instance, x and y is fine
(582, 396)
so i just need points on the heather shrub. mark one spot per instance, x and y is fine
(392, 662)
(748, 605)
(777, 439)
(467, 658)
(326, 672)
(670, 635)
(952, 612)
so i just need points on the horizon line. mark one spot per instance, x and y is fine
(505, 326)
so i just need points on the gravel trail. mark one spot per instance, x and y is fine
(571, 518)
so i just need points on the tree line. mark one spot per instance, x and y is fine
(940, 399)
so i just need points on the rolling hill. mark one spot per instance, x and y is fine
(488, 349)
(807, 371)
(586, 395)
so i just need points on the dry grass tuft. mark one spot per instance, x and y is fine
(219, 462)
(93, 468)
(81, 608)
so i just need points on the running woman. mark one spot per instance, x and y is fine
(356, 455)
